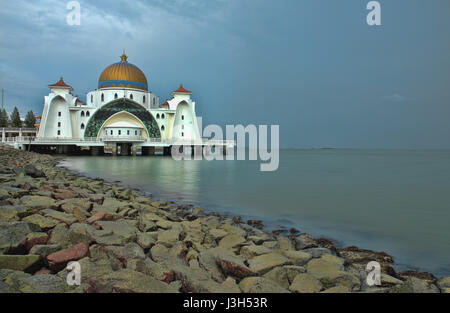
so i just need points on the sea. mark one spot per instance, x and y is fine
(396, 201)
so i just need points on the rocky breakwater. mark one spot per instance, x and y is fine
(125, 242)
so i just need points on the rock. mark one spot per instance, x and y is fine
(99, 216)
(304, 241)
(35, 239)
(325, 264)
(44, 284)
(251, 251)
(415, 285)
(256, 223)
(263, 263)
(8, 214)
(207, 261)
(231, 265)
(131, 251)
(317, 252)
(13, 235)
(278, 275)
(146, 240)
(260, 285)
(217, 233)
(443, 283)
(298, 257)
(81, 233)
(346, 279)
(60, 216)
(44, 250)
(60, 236)
(44, 223)
(356, 255)
(195, 280)
(61, 194)
(15, 192)
(58, 260)
(13, 278)
(305, 283)
(159, 252)
(169, 237)
(231, 241)
(30, 170)
(68, 205)
(197, 211)
(153, 269)
(146, 225)
(420, 275)
(337, 289)
(116, 233)
(292, 271)
(229, 286)
(38, 202)
(19, 262)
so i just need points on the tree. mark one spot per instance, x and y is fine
(15, 118)
(30, 120)
(3, 118)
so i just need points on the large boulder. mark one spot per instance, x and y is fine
(44, 283)
(38, 202)
(232, 241)
(62, 217)
(251, 251)
(298, 257)
(32, 171)
(58, 260)
(325, 264)
(43, 222)
(279, 275)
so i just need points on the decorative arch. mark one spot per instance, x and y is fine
(122, 105)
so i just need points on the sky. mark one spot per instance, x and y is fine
(313, 67)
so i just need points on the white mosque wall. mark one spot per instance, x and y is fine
(56, 118)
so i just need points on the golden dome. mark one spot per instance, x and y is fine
(123, 75)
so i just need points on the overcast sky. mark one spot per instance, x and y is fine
(312, 66)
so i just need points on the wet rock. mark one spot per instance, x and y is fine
(356, 255)
(263, 263)
(260, 285)
(58, 260)
(304, 241)
(326, 243)
(232, 265)
(256, 223)
(444, 284)
(305, 283)
(420, 275)
(19, 262)
(317, 252)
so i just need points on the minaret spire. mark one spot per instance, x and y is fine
(123, 57)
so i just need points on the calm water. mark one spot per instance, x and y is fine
(394, 201)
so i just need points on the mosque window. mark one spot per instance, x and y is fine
(182, 117)
(128, 133)
(59, 124)
(111, 132)
(82, 126)
(163, 116)
(88, 114)
(59, 133)
(120, 132)
(163, 128)
(182, 134)
(103, 97)
(131, 96)
(92, 98)
(82, 113)
(143, 99)
(116, 96)
(157, 116)
(59, 113)
(154, 101)
(135, 132)
(182, 126)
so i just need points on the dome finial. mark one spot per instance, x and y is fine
(123, 57)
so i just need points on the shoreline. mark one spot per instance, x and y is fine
(128, 242)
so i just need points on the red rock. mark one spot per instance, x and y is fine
(36, 241)
(58, 260)
(99, 216)
(234, 266)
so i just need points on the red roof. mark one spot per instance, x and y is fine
(60, 83)
(79, 101)
(182, 90)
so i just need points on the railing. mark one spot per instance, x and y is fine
(16, 130)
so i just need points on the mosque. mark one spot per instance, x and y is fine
(121, 116)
